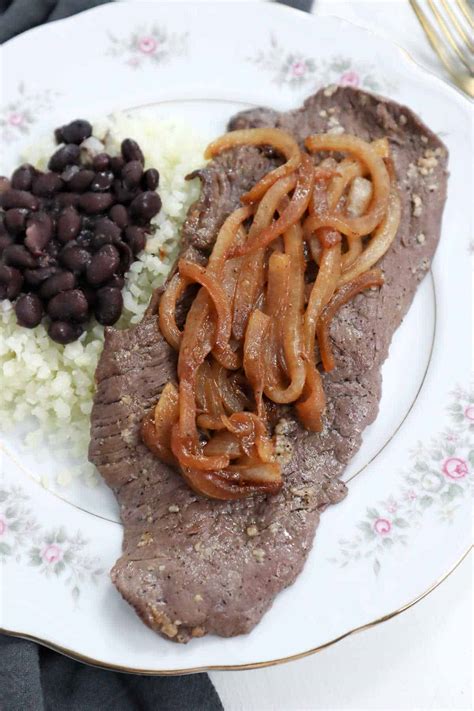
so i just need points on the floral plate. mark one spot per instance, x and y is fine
(406, 522)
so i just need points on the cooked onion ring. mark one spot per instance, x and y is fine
(379, 242)
(342, 296)
(249, 326)
(292, 213)
(364, 152)
(274, 137)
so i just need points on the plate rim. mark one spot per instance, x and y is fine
(238, 667)
(456, 94)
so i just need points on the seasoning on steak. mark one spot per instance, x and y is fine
(190, 565)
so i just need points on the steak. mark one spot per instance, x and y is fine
(190, 565)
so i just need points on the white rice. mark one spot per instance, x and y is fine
(49, 387)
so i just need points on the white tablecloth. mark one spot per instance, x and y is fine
(423, 658)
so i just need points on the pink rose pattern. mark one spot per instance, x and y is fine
(55, 554)
(350, 78)
(148, 45)
(455, 468)
(293, 70)
(439, 479)
(18, 116)
(51, 554)
(382, 526)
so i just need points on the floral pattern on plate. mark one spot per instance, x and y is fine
(294, 69)
(55, 553)
(439, 478)
(19, 115)
(148, 44)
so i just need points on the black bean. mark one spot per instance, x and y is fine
(103, 265)
(64, 156)
(101, 162)
(39, 230)
(119, 214)
(18, 198)
(93, 203)
(85, 238)
(136, 238)
(56, 284)
(18, 256)
(5, 241)
(81, 180)
(126, 257)
(151, 179)
(68, 225)
(35, 277)
(108, 306)
(74, 258)
(102, 181)
(107, 228)
(69, 172)
(90, 293)
(116, 164)
(29, 310)
(49, 256)
(15, 220)
(46, 185)
(66, 199)
(145, 206)
(132, 173)
(132, 151)
(68, 306)
(63, 332)
(11, 281)
(22, 177)
(117, 282)
(122, 193)
(76, 131)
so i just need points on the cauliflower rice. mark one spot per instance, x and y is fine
(47, 388)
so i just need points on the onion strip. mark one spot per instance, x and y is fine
(265, 300)
(274, 137)
(342, 296)
(364, 152)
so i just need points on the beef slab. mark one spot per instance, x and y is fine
(191, 566)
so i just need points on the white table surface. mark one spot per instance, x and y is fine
(423, 658)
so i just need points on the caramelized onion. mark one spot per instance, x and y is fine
(294, 210)
(379, 242)
(311, 406)
(254, 322)
(167, 309)
(254, 358)
(364, 152)
(274, 137)
(156, 426)
(323, 288)
(342, 296)
(194, 272)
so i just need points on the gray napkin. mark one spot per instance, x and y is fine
(19, 15)
(34, 678)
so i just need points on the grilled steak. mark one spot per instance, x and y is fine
(192, 566)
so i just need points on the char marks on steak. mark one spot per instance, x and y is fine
(192, 566)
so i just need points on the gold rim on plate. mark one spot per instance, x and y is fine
(235, 667)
